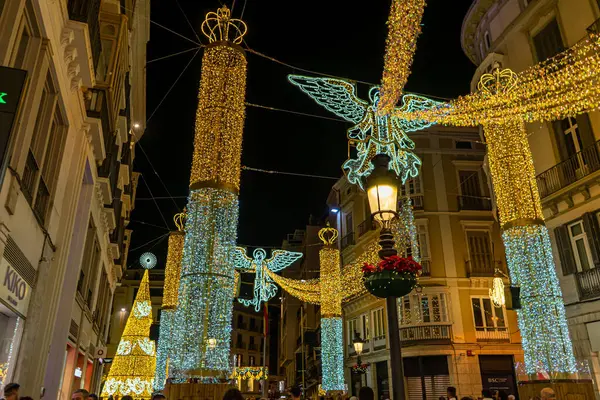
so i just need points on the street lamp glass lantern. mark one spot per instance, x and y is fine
(358, 344)
(382, 190)
(383, 200)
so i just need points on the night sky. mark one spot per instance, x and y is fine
(340, 38)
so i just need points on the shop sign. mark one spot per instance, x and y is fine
(498, 382)
(14, 291)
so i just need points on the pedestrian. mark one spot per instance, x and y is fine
(353, 398)
(502, 395)
(26, 398)
(487, 394)
(93, 396)
(159, 396)
(233, 394)
(467, 398)
(296, 392)
(127, 397)
(511, 397)
(451, 392)
(11, 391)
(366, 393)
(80, 394)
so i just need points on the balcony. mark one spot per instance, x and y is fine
(473, 203)
(483, 265)
(348, 240)
(379, 342)
(241, 325)
(492, 334)
(420, 334)
(253, 347)
(366, 226)
(589, 283)
(417, 202)
(578, 166)
(240, 345)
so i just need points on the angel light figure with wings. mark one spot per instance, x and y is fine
(264, 287)
(372, 133)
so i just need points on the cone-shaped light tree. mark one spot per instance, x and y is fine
(132, 371)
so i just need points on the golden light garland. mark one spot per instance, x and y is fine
(220, 119)
(404, 26)
(132, 370)
(251, 373)
(173, 267)
(331, 288)
(565, 85)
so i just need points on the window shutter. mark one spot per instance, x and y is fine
(592, 229)
(565, 251)
(585, 130)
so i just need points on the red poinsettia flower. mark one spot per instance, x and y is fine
(394, 263)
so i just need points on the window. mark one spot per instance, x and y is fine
(238, 359)
(470, 191)
(1, 6)
(378, 324)
(413, 189)
(349, 225)
(581, 247)
(464, 145)
(548, 42)
(251, 360)
(575, 137)
(486, 316)
(101, 313)
(480, 253)
(240, 322)
(45, 154)
(89, 265)
(352, 328)
(487, 40)
(20, 50)
(423, 244)
(424, 309)
(366, 334)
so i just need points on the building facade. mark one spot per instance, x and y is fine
(67, 183)
(517, 34)
(299, 339)
(451, 333)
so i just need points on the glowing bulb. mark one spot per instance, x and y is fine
(123, 310)
(136, 125)
(335, 210)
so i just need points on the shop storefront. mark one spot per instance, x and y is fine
(426, 377)
(497, 373)
(15, 293)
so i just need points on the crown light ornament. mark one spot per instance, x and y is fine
(219, 26)
(497, 292)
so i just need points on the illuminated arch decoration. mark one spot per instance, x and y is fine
(372, 133)
(264, 288)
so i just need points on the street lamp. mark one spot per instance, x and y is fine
(382, 192)
(358, 344)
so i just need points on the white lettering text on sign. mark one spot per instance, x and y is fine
(14, 290)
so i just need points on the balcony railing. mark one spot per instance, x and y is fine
(589, 283)
(240, 345)
(411, 335)
(253, 347)
(474, 203)
(492, 334)
(569, 171)
(348, 240)
(483, 265)
(417, 202)
(595, 27)
(88, 11)
(366, 226)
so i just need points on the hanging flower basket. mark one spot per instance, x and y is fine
(360, 368)
(392, 276)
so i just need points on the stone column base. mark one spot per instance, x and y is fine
(563, 389)
(196, 391)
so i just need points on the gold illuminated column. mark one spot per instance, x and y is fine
(204, 311)
(542, 319)
(171, 287)
(332, 346)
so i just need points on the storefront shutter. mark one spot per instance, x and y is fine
(565, 251)
(592, 229)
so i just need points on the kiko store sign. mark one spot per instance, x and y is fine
(14, 291)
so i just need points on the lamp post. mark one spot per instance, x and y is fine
(382, 193)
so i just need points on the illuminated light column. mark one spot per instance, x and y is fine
(167, 316)
(542, 319)
(332, 345)
(204, 311)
